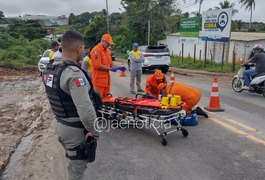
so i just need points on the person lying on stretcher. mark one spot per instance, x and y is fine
(191, 96)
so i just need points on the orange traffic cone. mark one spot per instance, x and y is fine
(122, 74)
(172, 76)
(214, 104)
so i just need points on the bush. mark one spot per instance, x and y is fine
(22, 53)
(252, 30)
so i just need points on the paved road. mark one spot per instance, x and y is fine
(229, 145)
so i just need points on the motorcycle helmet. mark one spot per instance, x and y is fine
(257, 48)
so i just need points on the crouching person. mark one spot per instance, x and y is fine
(74, 103)
(189, 95)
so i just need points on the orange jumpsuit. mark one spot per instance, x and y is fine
(152, 84)
(101, 78)
(191, 96)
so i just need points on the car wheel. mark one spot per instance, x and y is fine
(164, 70)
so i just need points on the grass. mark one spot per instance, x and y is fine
(188, 63)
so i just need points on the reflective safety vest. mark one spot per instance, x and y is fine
(137, 54)
(61, 103)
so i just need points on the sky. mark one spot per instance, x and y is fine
(12, 8)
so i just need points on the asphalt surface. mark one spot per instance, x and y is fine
(227, 145)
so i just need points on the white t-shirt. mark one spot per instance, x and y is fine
(57, 54)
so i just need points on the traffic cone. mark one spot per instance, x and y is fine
(214, 104)
(172, 76)
(122, 73)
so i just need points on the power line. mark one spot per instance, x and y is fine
(191, 3)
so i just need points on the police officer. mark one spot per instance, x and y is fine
(69, 93)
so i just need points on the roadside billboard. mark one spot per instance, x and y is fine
(189, 30)
(189, 27)
(216, 25)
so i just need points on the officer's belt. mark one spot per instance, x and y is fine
(77, 124)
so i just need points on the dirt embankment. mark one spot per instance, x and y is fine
(28, 149)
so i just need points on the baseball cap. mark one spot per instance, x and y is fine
(158, 74)
(107, 38)
(161, 86)
(55, 43)
(135, 45)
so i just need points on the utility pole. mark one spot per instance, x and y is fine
(200, 6)
(107, 8)
(148, 36)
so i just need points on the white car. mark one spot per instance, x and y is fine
(155, 57)
(44, 60)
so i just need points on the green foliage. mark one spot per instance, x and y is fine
(95, 30)
(2, 20)
(138, 13)
(227, 4)
(85, 18)
(252, 30)
(19, 52)
(31, 29)
(1, 15)
(5, 40)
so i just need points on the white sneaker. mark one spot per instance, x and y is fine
(245, 88)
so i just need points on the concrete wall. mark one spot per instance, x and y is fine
(243, 49)
(214, 49)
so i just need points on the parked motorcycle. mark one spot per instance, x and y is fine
(257, 84)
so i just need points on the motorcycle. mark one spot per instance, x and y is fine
(257, 84)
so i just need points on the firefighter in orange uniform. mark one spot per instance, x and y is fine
(153, 81)
(102, 64)
(189, 95)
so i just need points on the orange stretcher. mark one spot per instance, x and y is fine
(144, 109)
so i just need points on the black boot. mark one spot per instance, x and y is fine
(201, 112)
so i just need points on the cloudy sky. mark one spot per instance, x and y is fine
(13, 8)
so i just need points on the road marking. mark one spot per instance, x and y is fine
(237, 123)
(247, 135)
(240, 124)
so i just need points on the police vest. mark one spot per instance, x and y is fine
(61, 103)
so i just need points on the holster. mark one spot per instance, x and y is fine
(85, 151)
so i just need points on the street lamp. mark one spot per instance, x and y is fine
(107, 8)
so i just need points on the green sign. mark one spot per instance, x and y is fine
(189, 27)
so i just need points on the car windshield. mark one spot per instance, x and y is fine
(156, 49)
(46, 53)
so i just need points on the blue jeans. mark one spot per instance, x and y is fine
(247, 74)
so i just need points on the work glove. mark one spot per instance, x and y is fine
(122, 68)
(114, 69)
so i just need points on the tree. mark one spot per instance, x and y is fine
(95, 30)
(249, 5)
(72, 19)
(84, 18)
(139, 12)
(225, 5)
(238, 24)
(30, 29)
(1, 15)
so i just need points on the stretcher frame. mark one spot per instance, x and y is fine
(115, 114)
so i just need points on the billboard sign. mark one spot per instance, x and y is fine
(216, 25)
(189, 27)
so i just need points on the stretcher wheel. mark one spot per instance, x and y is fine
(185, 133)
(163, 141)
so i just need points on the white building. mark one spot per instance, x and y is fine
(241, 42)
(47, 20)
